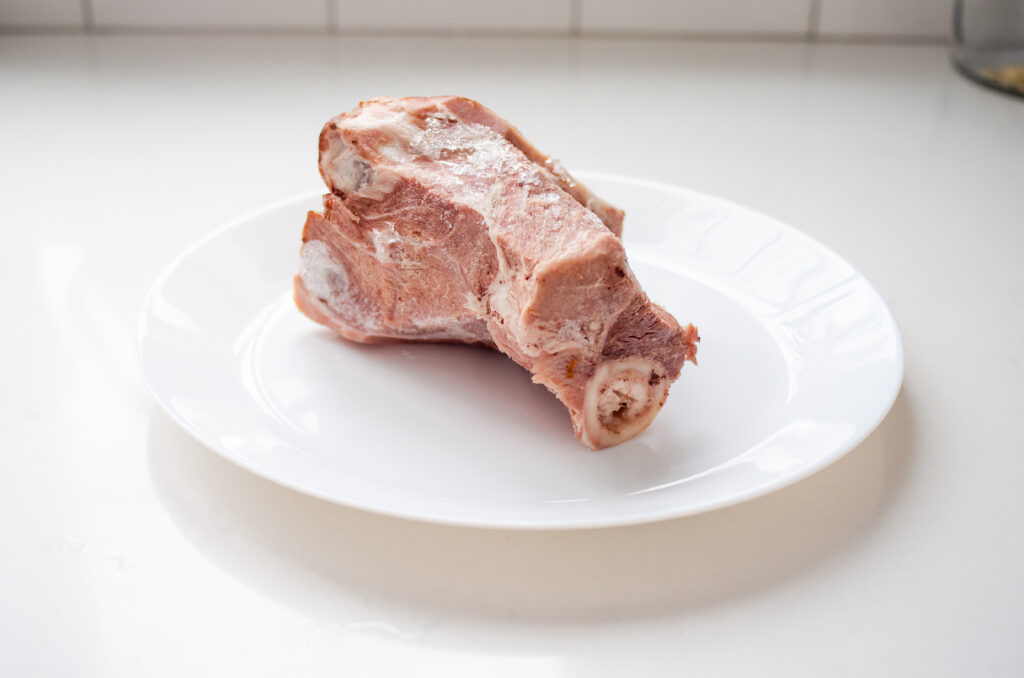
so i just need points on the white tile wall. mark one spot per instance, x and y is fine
(692, 16)
(917, 18)
(287, 14)
(795, 18)
(491, 15)
(55, 13)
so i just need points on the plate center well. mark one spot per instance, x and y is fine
(467, 422)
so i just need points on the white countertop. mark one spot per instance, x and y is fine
(127, 549)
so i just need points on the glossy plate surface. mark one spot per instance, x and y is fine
(800, 360)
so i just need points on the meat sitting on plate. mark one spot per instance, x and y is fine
(444, 224)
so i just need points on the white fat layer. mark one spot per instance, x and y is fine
(383, 239)
(322, 275)
(381, 183)
(348, 169)
(395, 123)
(475, 305)
(569, 335)
(502, 305)
(443, 327)
(350, 174)
(395, 152)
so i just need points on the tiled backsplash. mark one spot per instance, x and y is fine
(890, 19)
(696, 16)
(920, 18)
(262, 14)
(462, 15)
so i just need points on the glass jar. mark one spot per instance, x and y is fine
(989, 42)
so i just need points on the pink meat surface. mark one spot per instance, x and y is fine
(444, 224)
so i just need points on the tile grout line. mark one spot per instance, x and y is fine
(331, 17)
(814, 21)
(88, 21)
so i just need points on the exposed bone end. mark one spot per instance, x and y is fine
(622, 399)
(346, 172)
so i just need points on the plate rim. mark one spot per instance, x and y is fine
(573, 523)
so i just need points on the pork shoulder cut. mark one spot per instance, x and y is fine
(444, 224)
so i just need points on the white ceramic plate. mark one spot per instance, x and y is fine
(800, 360)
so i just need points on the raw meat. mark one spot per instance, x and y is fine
(444, 224)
